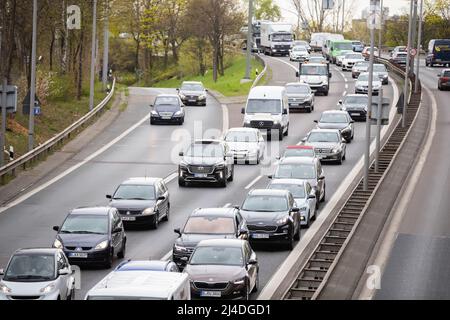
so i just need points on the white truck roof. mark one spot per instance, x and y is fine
(278, 26)
(267, 92)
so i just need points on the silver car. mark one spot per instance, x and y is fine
(359, 67)
(37, 274)
(298, 53)
(382, 73)
(300, 96)
(303, 194)
(328, 144)
(246, 144)
(341, 57)
(362, 84)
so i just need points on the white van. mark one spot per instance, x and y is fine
(267, 109)
(326, 44)
(142, 285)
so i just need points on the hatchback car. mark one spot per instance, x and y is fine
(298, 53)
(308, 169)
(304, 196)
(150, 265)
(298, 151)
(246, 144)
(382, 72)
(192, 93)
(355, 105)
(37, 274)
(359, 67)
(362, 84)
(207, 223)
(444, 80)
(206, 161)
(272, 217)
(341, 56)
(167, 108)
(328, 144)
(142, 201)
(92, 236)
(223, 269)
(336, 119)
(300, 97)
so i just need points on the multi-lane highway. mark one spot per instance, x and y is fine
(130, 147)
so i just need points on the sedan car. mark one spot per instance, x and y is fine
(298, 151)
(397, 49)
(350, 59)
(37, 274)
(444, 80)
(192, 93)
(206, 161)
(359, 67)
(142, 201)
(328, 144)
(300, 97)
(304, 196)
(223, 269)
(336, 119)
(382, 72)
(167, 108)
(366, 52)
(399, 58)
(302, 43)
(246, 144)
(362, 84)
(272, 217)
(298, 53)
(207, 223)
(341, 57)
(308, 169)
(150, 265)
(355, 105)
(92, 236)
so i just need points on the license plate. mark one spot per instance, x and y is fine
(211, 294)
(354, 114)
(128, 218)
(200, 175)
(260, 236)
(166, 118)
(192, 100)
(78, 255)
(294, 104)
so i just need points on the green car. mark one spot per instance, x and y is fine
(336, 47)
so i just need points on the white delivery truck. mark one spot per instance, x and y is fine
(317, 40)
(142, 285)
(276, 38)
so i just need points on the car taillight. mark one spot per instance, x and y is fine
(445, 78)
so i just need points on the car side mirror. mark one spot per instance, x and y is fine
(344, 141)
(243, 110)
(297, 74)
(63, 272)
(252, 261)
(177, 231)
(243, 231)
(151, 105)
(352, 121)
(206, 90)
(181, 154)
(270, 176)
(117, 230)
(304, 139)
(295, 209)
(340, 102)
(162, 198)
(322, 177)
(330, 75)
(56, 228)
(315, 121)
(178, 89)
(108, 196)
(278, 157)
(312, 196)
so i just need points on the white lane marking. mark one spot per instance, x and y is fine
(167, 256)
(391, 234)
(73, 168)
(346, 86)
(287, 63)
(344, 93)
(225, 119)
(251, 184)
(171, 177)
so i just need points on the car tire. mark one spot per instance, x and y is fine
(152, 122)
(223, 182)
(181, 183)
(109, 263)
(297, 234)
(287, 131)
(290, 243)
(155, 223)
(313, 218)
(121, 253)
(344, 157)
(324, 194)
(258, 159)
(256, 287)
(339, 161)
(231, 178)
(310, 109)
(325, 93)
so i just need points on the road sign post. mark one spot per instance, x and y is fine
(419, 40)
(3, 131)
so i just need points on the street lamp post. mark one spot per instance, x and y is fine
(381, 29)
(33, 80)
(93, 55)
(408, 60)
(249, 40)
(419, 41)
(106, 47)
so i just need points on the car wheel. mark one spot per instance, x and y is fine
(318, 201)
(324, 194)
(325, 93)
(231, 178)
(181, 183)
(247, 291)
(109, 262)
(166, 217)
(223, 182)
(256, 287)
(310, 109)
(280, 135)
(313, 218)
(155, 222)
(287, 131)
(121, 253)
(152, 122)
(344, 157)
(297, 234)
(290, 243)
(258, 159)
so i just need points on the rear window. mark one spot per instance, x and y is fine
(446, 73)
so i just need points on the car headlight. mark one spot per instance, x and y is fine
(307, 99)
(4, 288)
(48, 288)
(336, 150)
(202, 97)
(179, 248)
(239, 281)
(148, 211)
(182, 96)
(346, 129)
(57, 244)
(178, 113)
(183, 165)
(276, 122)
(154, 113)
(284, 220)
(220, 166)
(102, 245)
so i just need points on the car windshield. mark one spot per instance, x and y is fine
(333, 118)
(32, 267)
(281, 37)
(222, 256)
(353, 56)
(297, 89)
(446, 74)
(314, 70)
(299, 49)
(323, 137)
(295, 171)
(264, 106)
(344, 46)
(192, 87)
(241, 136)
(379, 68)
(297, 190)
(299, 153)
(356, 100)
(362, 64)
(208, 150)
(265, 203)
(209, 225)
(135, 192)
(166, 101)
(85, 224)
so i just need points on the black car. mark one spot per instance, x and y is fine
(193, 93)
(92, 236)
(142, 202)
(272, 216)
(355, 105)
(336, 119)
(167, 108)
(202, 224)
(206, 161)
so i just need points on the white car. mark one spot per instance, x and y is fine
(359, 67)
(299, 53)
(341, 57)
(37, 274)
(246, 144)
(362, 84)
(382, 72)
(350, 59)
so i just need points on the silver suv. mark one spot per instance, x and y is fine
(328, 144)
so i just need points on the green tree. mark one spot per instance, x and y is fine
(267, 10)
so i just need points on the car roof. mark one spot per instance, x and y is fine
(151, 265)
(233, 243)
(300, 147)
(297, 84)
(242, 129)
(100, 211)
(268, 192)
(334, 112)
(217, 212)
(298, 160)
(355, 95)
(288, 181)
(266, 92)
(147, 181)
(315, 65)
(167, 95)
(46, 251)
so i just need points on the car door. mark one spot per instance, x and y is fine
(285, 117)
(311, 202)
(116, 237)
(252, 270)
(163, 205)
(295, 215)
(63, 280)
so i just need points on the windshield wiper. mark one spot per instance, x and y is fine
(139, 199)
(30, 276)
(86, 232)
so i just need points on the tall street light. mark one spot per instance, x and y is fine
(33, 79)
(106, 47)
(408, 60)
(93, 55)
(419, 41)
(249, 40)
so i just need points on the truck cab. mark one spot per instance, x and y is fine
(316, 75)
(276, 38)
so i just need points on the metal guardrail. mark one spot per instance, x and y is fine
(261, 75)
(47, 146)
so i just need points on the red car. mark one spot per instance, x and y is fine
(444, 80)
